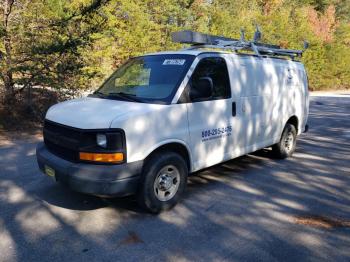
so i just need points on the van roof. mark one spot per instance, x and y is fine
(197, 52)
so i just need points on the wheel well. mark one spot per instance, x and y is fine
(293, 121)
(174, 147)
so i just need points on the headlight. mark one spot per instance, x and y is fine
(101, 140)
(103, 146)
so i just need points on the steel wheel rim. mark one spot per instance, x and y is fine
(166, 183)
(289, 141)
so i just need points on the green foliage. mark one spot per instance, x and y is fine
(48, 40)
(70, 45)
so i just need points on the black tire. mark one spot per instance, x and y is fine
(284, 148)
(149, 195)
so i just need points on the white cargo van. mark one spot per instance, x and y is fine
(162, 116)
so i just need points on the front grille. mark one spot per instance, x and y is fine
(62, 152)
(65, 131)
(62, 141)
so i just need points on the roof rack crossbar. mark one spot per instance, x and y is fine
(199, 40)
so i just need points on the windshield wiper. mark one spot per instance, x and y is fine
(97, 93)
(125, 96)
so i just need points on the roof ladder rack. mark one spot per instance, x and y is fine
(199, 41)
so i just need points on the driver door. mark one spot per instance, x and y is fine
(210, 118)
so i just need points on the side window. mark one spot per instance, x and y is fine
(215, 69)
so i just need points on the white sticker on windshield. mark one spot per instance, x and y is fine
(174, 62)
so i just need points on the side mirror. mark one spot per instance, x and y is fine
(202, 89)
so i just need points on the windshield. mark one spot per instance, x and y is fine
(153, 79)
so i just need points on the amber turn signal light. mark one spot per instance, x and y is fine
(102, 157)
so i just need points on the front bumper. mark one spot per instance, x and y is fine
(102, 180)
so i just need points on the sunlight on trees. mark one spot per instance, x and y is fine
(70, 45)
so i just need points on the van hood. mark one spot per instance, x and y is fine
(94, 113)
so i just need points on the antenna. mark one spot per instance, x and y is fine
(242, 39)
(257, 34)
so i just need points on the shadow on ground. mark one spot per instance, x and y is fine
(245, 209)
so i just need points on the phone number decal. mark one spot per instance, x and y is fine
(216, 133)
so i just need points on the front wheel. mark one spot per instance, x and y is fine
(286, 146)
(163, 181)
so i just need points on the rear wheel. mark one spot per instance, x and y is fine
(163, 181)
(286, 146)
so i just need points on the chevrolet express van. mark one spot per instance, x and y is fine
(162, 116)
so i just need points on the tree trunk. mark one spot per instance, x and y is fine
(7, 70)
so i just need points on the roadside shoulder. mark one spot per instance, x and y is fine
(8, 138)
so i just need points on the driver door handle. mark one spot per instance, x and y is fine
(234, 110)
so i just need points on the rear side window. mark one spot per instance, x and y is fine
(216, 69)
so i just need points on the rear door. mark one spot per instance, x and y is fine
(210, 120)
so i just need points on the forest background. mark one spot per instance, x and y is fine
(53, 49)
